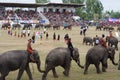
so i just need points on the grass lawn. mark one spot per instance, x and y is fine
(43, 46)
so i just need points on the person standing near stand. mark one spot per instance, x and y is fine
(54, 36)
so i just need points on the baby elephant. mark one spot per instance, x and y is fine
(60, 57)
(87, 40)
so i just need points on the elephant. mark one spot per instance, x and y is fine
(14, 26)
(5, 25)
(38, 26)
(118, 29)
(98, 54)
(112, 41)
(88, 40)
(99, 27)
(18, 59)
(60, 56)
(106, 28)
(56, 26)
(27, 26)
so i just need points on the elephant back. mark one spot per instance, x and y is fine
(112, 39)
(96, 52)
(58, 51)
(14, 54)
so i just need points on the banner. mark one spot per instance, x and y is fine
(113, 19)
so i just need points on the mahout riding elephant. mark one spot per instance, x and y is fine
(112, 41)
(99, 54)
(18, 59)
(87, 40)
(60, 57)
(96, 40)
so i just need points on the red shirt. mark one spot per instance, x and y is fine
(103, 43)
(29, 48)
(110, 34)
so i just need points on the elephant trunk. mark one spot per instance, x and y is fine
(114, 63)
(78, 62)
(38, 67)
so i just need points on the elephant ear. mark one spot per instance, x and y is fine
(34, 56)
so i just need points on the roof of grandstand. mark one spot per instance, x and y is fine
(32, 5)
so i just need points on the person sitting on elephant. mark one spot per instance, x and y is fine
(110, 34)
(70, 46)
(29, 49)
(66, 37)
(97, 41)
(102, 41)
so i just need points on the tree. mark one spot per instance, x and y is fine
(41, 1)
(94, 7)
(113, 14)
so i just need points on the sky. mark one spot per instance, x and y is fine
(111, 5)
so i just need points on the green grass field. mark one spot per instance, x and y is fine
(8, 42)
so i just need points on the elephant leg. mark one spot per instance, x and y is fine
(54, 73)
(46, 72)
(21, 70)
(86, 67)
(66, 72)
(67, 68)
(20, 73)
(116, 47)
(3, 75)
(103, 68)
(97, 67)
(29, 72)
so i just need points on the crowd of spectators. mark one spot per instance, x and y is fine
(58, 18)
(19, 14)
